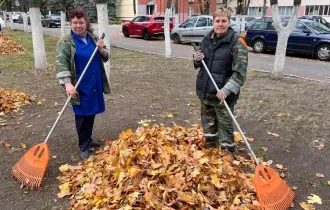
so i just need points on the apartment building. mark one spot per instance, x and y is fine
(181, 10)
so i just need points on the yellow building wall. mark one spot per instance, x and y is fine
(125, 9)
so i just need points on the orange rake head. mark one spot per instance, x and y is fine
(272, 192)
(31, 168)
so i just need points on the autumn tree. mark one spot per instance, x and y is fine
(40, 61)
(283, 33)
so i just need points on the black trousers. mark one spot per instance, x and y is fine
(84, 126)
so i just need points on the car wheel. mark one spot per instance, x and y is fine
(323, 52)
(259, 46)
(125, 32)
(176, 39)
(146, 34)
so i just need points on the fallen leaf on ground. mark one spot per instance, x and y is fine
(273, 134)
(314, 199)
(306, 206)
(264, 148)
(319, 175)
(23, 146)
(155, 167)
(170, 115)
(284, 115)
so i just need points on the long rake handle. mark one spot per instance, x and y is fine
(76, 86)
(229, 111)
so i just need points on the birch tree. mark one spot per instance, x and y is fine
(25, 23)
(264, 8)
(103, 27)
(167, 30)
(283, 33)
(63, 16)
(242, 9)
(40, 61)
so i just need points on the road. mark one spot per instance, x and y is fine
(296, 66)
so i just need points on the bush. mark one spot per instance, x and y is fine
(113, 21)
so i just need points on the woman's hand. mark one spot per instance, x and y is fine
(100, 45)
(222, 95)
(70, 90)
(198, 56)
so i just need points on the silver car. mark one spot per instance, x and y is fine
(195, 29)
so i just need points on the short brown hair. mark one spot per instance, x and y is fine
(222, 12)
(80, 13)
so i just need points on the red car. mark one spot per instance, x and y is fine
(146, 26)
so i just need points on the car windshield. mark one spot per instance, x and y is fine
(318, 27)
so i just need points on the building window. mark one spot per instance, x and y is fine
(285, 11)
(150, 9)
(317, 10)
(190, 11)
(255, 11)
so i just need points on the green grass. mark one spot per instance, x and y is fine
(25, 61)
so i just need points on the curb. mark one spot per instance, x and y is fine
(290, 76)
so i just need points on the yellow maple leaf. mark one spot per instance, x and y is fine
(170, 115)
(329, 182)
(64, 168)
(306, 206)
(203, 160)
(23, 146)
(314, 199)
(64, 190)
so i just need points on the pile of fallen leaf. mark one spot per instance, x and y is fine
(12, 100)
(8, 45)
(158, 167)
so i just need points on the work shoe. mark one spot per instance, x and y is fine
(95, 143)
(84, 155)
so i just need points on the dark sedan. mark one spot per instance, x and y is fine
(308, 37)
(51, 21)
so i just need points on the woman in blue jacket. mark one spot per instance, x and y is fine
(73, 52)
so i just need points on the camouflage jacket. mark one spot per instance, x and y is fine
(65, 62)
(239, 64)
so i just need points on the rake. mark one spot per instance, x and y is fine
(272, 192)
(31, 168)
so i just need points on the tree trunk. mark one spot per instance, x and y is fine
(4, 19)
(40, 61)
(283, 36)
(264, 9)
(63, 23)
(11, 22)
(167, 34)
(25, 22)
(63, 16)
(103, 27)
(134, 8)
(201, 6)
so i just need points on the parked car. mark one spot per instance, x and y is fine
(51, 20)
(2, 24)
(15, 16)
(196, 28)
(319, 19)
(308, 37)
(146, 26)
(20, 19)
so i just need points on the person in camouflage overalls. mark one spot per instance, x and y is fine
(226, 56)
(74, 50)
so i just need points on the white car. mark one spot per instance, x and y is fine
(2, 23)
(195, 29)
(15, 16)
